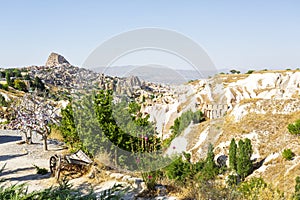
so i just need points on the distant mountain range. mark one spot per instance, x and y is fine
(156, 73)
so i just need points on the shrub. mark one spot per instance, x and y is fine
(288, 154)
(250, 71)
(182, 123)
(61, 192)
(257, 188)
(41, 171)
(251, 188)
(181, 169)
(5, 87)
(150, 179)
(233, 71)
(232, 180)
(294, 128)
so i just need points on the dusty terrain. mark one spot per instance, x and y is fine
(20, 160)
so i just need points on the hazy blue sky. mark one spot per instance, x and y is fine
(241, 34)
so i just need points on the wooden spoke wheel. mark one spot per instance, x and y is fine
(53, 161)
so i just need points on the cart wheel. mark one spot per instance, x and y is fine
(59, 166)
(53, 161)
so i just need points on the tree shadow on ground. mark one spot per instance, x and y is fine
(8, 157)
(8, 138)
(29, 177)
(16, 171)
(258, 164)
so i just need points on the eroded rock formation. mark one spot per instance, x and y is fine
(55, 59)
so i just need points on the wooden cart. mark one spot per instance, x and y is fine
(75, 162)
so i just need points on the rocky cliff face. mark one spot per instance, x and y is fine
(55, 59)
(257, 106)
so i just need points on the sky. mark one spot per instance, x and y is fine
(235, 34)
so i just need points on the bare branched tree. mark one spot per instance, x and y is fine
(33, 113)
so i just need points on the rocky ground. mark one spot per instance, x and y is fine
(19, 161)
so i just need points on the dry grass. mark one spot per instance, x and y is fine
(56, 134)
(103, 160)
(296, 95)
(272, 136)
(13, 94)
(258, 91)
(231, 78)
(274, 71)
(250, 100)
(271, 127)
(193, 82)
(100, 176)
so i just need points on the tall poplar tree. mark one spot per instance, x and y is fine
(232, 155)
(244, 163)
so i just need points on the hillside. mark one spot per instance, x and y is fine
(257, 106)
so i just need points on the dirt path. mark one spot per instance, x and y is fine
(20, 160)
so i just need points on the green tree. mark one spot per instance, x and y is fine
(250, 71)
(2, 74)
(27, 77)
(104, 127)
(210, 169)
(20, 85)
(182, 170)
(233, 71)
(37, 83)
(2, 101)
(244, 163)
(89, 129)
(294, 128)
(232, 155)
(68, 127)
(17, 73)
(5, 87)
(8, 78)
(297, 188)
